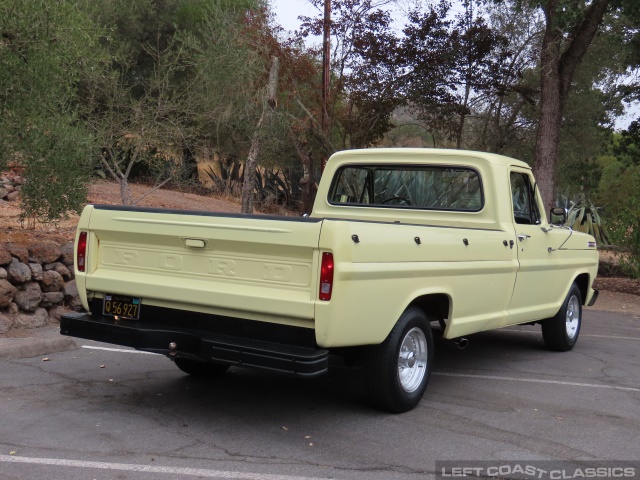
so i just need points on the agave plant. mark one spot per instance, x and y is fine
(229, 178)
(585, 217)
(430, 188)
(273, 185)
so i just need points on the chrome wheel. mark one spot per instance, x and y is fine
(572, 318)
(412, 360)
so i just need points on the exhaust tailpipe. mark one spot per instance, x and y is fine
(461, 343)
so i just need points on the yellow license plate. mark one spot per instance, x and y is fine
(121, 306)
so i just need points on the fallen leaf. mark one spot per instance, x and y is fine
(311, 444)
(45, 359)
(111, 379)
(12, 452)
(102, 366)
(307, 436)
(285, 428)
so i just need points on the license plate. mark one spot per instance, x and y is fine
(121, 306)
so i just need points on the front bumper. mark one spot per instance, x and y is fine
(203, 346)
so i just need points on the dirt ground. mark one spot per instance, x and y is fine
(103, 192)
(616, 294)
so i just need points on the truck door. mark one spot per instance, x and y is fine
(541, 278)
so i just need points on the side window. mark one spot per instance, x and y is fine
(352, 186)
(525, 207)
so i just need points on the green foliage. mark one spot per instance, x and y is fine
(228, 80)
(47, 50)
(56, 159)
(584, 216)
(626, 145)
(164, 83)
(620, 189)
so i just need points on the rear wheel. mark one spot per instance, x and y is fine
(561, 332)
(201, 369)
(397, 371)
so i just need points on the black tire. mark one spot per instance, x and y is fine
(388, 388)
(201, 369)
(560, 333)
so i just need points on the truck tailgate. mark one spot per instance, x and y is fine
(249, 266)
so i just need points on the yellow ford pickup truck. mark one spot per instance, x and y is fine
(398, 240)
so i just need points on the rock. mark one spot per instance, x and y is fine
(3, 192)
(62, 270)
(70, 290)
(44, 253)
(72, 297)
(13, 308)
(18, 180)
(3, 273)
(67, 253)
(29, 296)
(5, 180)
(31, 320)
(5, 256)
(18, 272)
(6, 322)
(59, 267)
(49, 299)
(13, 196)
(21, 253)
(76, 304)
(52, 281)
(7, 293)
(56, 312)
(36, 271)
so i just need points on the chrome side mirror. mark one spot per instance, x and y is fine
(558, 216)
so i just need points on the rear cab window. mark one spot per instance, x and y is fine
(427, 187)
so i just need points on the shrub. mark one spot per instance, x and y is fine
(619, 190)
(57, 165)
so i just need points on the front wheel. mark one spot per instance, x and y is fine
(561, 332)
(397, 371)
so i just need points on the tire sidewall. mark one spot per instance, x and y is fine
(400, 400)
(554, 330)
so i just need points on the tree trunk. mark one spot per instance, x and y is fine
(557, 71)
(551, 106)
(250, 168)
(125, 191)
(252, 158)
(307, 182)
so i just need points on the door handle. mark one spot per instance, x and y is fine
(522, 237)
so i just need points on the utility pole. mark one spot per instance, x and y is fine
(326, 52)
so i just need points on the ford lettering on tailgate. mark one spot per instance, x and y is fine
(263, 270)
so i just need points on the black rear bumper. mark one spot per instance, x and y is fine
(203, 346)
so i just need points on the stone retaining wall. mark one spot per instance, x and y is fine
(10, 186)
(37, 285)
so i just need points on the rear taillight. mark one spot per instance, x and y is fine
(81, 251)
(326, 276)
